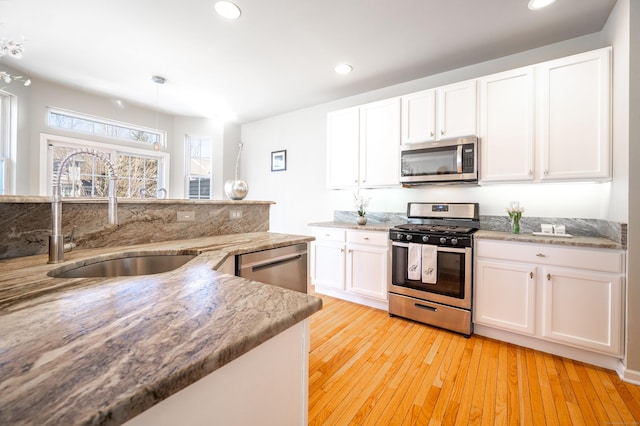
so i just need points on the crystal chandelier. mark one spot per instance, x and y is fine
(13, 49)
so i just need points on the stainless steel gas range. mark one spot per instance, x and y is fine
(432, 265)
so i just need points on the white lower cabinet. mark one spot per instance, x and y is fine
(506, 295)
(572, 296)
(583, 308)
(351, 265)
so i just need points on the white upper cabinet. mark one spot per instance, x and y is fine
(363, 145)
(457, 110)
(419, 117)
(442, 113)
(380, 143)
(343, 135)
(549, 121)
(574, 113)
(507, 126)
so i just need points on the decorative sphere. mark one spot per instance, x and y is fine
(236, 189)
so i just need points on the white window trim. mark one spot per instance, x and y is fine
(8, 150)
(45, 169)
(187, 163)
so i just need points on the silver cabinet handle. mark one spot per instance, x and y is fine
(546, 172)
(531, 275)
(442, 132)
(530, 172)
(432, 133)
(541, 255)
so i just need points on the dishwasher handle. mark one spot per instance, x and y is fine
(268, 263)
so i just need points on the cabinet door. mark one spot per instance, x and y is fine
(343, 133)
(507, 126)
(419, 117)
(367, 270)
(457, 110)
(583, 309)
(575, 109)
(327, 268)
(380, 143)
(505, 296)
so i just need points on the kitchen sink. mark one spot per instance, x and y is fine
(125, 266)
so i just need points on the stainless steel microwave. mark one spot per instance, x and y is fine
(446, 161)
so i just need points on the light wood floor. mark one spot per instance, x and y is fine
(367, 368)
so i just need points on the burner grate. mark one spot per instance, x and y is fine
(446, 229)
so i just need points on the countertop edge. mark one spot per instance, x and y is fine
(376, 227)
(575, 241)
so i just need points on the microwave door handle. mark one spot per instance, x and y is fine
(459, 159)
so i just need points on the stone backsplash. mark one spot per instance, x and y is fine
(25, 222)
(613, 231)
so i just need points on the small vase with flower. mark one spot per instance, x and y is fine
(361, 203)
(515, 214)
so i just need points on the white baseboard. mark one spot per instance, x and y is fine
(629, 376)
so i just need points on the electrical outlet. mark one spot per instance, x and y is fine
(235, 214)
(186, 216)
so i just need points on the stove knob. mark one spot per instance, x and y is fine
(399, 236)
(409, 237)
(454, 241)
(425, 239)
(443, 240)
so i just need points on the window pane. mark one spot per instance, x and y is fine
(103, 127)
(199, 188)
(86, 176)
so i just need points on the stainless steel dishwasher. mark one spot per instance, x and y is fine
(283, 267)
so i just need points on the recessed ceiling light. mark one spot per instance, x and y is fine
(343, 68)
(228, 10)
(539, 4)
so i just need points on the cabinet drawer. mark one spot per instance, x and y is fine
(368, 237)
(604, 260)
(329, 234)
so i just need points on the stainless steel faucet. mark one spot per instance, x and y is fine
(56, 239)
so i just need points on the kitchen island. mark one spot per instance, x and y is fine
(103, 350)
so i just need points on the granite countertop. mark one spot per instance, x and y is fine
(574, 241)
(380, 227)
(102, 350)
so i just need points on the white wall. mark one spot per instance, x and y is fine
(300, 191)
(34, 100)
(633, 256)
(616, 34)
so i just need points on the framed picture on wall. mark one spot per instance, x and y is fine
(279, 160)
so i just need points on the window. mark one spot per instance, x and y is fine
(5, 141)
(87, 176)
(80, 123)
(199, 166)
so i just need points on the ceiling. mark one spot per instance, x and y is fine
(279, 56)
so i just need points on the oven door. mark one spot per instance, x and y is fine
(453, 284)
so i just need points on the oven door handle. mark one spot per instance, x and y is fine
(445, 249)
